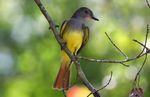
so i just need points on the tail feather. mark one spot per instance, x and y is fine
(62, 79)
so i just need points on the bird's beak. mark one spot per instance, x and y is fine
(94, 18)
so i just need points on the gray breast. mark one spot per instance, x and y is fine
(75, 24)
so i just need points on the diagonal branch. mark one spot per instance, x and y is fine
(106, 61)
(126, 57)
(113, 61)
(104, 85)
(53, 28)
(116, 46)
(63, 46)
(85, 81)
(141, 45)
(74, 58)
(138, 73)
(147, 49)
(144, 45)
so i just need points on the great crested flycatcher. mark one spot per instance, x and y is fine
(75, 34)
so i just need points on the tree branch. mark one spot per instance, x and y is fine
(74, 58)
(53, 28)
(144, 45)
(137, 91)
(126, 57)
(112, 61)
(147, 49)
(63, 46)
(104, 85)
(141, 44)
(138, 73)
(116, 46)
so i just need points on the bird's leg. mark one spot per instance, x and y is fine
(75, 58)
(64, 43)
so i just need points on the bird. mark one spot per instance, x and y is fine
(75, 34)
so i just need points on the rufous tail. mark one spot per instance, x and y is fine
(62, 79)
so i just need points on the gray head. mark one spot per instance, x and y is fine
(84, 13)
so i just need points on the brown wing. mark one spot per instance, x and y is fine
(85, 37)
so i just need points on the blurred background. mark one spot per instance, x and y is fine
(30, 55)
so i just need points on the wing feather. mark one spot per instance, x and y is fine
(85, 37)
(63, 27)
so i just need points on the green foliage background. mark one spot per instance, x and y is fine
(30, 55)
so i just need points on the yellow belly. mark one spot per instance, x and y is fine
(74, 40)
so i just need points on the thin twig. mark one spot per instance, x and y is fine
(148, 3)
(141, 45)
(107, 61)
(141, 67)
(116, 46)
(138, 73)
(144, 45)
(126, 59)
(85, 81)
(104, 85)
(112, 61)
(107, 82)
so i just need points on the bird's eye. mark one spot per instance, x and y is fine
(136, 95)
(86, 11)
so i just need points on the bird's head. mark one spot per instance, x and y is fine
(84, 13)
